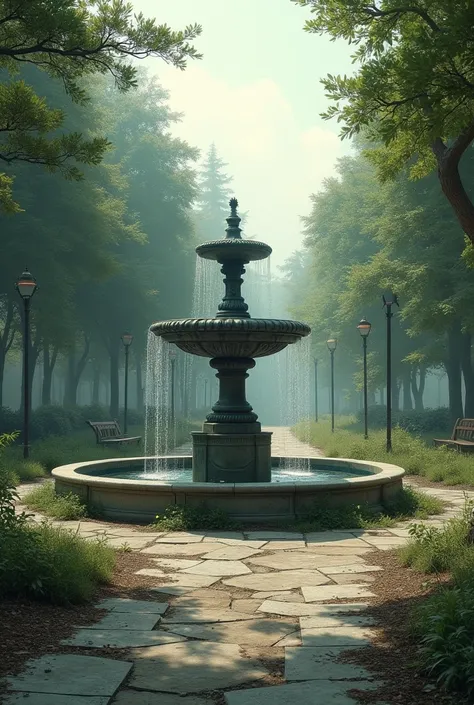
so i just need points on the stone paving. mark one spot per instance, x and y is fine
(228, 605)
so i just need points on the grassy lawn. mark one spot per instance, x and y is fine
(411, 452)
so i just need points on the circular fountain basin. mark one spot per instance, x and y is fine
(120, 490)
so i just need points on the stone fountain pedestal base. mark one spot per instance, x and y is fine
(232, 453)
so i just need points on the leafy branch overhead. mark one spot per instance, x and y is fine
(413, 90)
(71, 40)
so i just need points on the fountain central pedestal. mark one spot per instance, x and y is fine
(231, 446)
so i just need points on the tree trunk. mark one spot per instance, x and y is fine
(448, 159)
(6, 340)
(418, 389)
(468, 374)
(114, 380)
(407, 400)
(49, 361)
(96, 385)
(70, 388)
(453, 368)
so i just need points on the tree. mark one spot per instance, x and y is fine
(414, 91)
(71, 40)
(213, 204)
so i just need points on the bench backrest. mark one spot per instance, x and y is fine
(464, 430)
(105, 429)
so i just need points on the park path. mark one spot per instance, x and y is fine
(235, 618)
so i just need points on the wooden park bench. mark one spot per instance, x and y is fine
(462, 437)
(109, 433)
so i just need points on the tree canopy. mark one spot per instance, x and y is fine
(413, 90)
(71, 40)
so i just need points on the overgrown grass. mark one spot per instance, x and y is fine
(46, 562)
(410, 452)
(407, 504)
(45, 500)
(185, 518)
(444, 624)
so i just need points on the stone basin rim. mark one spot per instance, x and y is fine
(383, 473)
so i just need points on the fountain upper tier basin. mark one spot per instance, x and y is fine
(104, 485)
(234, 248)
(231, 337)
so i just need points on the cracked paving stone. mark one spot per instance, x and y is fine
(123, 620)
(320, 663)
(334, 592)
(346, 635)
(171, 549)
(123, 604)
(119, 638)
(327, 693)
(218, 568)
(143, 697)
(190, 615)
(253, 632)
(285, 579)
(299, 561)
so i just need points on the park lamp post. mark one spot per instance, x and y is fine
(127, 339)
(364, 328)
(26, 287)
(389, 300)
(173, 363)
(332, 344)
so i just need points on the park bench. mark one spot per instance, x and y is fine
(109, 433)
(462, 437)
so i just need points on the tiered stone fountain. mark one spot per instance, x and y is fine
(232, 447)
(231, 464)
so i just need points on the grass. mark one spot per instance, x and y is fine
(52, 564)
(444, 624)
(45, 500)
(409, 451)
(408, 504)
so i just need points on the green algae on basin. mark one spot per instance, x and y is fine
(104, 485)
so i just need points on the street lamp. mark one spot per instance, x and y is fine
(315, 389)
(332, 344)
(26, 287)
(173, 363)
(127, 339)
(389, 300)
(364, 329)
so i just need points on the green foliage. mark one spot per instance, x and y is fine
(444, 624)
(417, 422)
(407, 504)
(186, 518)
(410, 452)
(56, 506)
(44, 562)
(71, 41)
(52, 564)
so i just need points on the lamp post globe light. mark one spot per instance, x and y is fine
(389, 300)
(173, 363)
(26, 286)
(332, 345)
(127, 339)
(364, 328)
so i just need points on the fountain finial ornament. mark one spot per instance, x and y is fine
(233, 231)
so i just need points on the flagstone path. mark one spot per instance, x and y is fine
(228, 608)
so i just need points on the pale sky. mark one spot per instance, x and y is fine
(256, 94)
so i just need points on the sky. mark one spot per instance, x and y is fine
(257, 94)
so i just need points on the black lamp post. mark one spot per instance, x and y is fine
(173, 363)
(127, 339)
(364, 329)
(332, 344)
(389, 300)
(26, 287)
(315, 390)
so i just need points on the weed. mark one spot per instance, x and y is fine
(45, 500)
(184, 518)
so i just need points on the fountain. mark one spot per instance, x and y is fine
(232, 447)
(231, 462)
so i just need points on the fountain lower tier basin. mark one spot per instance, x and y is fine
(231, 337)
(107, 485)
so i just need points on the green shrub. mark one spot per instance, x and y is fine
(53, 564)
(45, 500)
(50, 420)
(409, 451)
(412, 421)
(10, 421)
(185, 518)
(408, 503)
